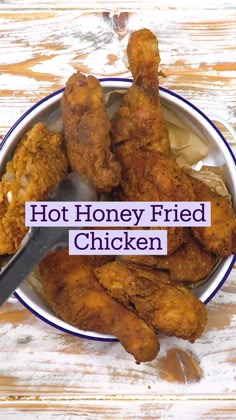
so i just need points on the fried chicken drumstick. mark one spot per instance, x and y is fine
(140, 116)
(172, 310)
(39, 163)
(153, 176)
(139, 132)
(76, 296)
(86, 128)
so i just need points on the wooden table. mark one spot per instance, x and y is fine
(45, 374)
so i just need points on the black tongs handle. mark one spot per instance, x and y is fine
(35, 246)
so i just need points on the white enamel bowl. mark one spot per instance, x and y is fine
(48, 111)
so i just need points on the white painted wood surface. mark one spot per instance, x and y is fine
(45, 374)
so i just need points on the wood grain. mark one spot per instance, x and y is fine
(67, 365)
(42, 49)
(62, 410)
(44, 373)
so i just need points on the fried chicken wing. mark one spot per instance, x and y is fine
(86, 127)
(220, 237)
(39, 163)
(172, 310)
(76, 296)
(189, 263)
(140, 116)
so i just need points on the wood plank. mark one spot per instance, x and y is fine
(37, 58)
(44, 373)
(62, 410)
(105, 4)
(68, 365)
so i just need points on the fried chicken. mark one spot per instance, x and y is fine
(76, 296)
(39, 163)
(140, 116)
(172, 310)
(153, 176)
(153, 274)
(149, 172)
(86, 127)
(189, 263)
(220, 237)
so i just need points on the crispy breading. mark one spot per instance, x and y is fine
(149, 172)
(140, 116)
(86, 127)
(170, 309)
(220, 237)
(189, 263)
(152, 176)
(39, 163)
(175, 237)
(76, 296)
(155, 275)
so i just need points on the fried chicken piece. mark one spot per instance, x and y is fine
(149, 172)
(190, 263)
(175, 237)
(153, 274)
(38, 164)
(140, 116)
(152, 176)
(86, 127)
(220, 237)
(172, 310)
(76, 296)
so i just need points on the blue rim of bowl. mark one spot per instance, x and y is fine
(118, 79)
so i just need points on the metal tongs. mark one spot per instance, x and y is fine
(39, 240)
